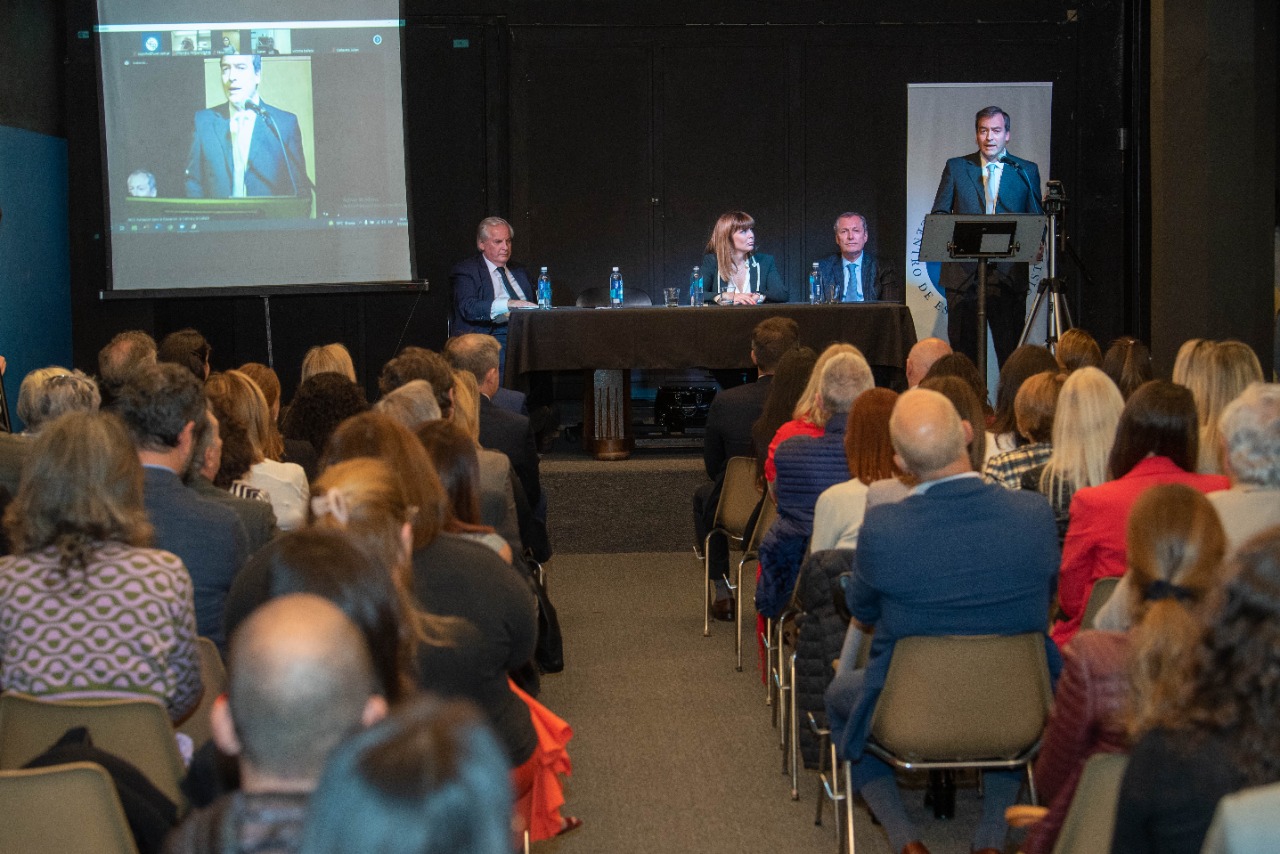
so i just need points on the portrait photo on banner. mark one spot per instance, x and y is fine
(941, 125)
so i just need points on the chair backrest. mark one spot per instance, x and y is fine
(764, 521)
(138, 731)
(213, 675)
(738, 497)
(1092, 815)
(963, 698)
(71, 809)
(1098, 596)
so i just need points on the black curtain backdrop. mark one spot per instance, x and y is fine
(614, 135)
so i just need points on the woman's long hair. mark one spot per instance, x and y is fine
(721, 242)
(790, 379)
(372, 434)
(81, 484)
(364, 497)
(809, 405)
(1023, 363)
(1175, 550)
(1084, 429)
(1236, 689)
(867, 447)
(458, 466)
(965, 400)
(1158, 419)
(236, 397)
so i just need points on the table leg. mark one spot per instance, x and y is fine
(606, 415)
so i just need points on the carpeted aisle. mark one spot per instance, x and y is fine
(673, 749)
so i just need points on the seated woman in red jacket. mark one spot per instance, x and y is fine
(1157, 442)
(1176, 546)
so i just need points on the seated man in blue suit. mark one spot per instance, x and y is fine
(245, 147)
(955, 557)
(485, 287)
(161, 405)
(859, 275)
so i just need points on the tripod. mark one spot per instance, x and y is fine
(1051, 286)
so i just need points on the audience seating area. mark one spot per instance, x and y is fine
(947, 688)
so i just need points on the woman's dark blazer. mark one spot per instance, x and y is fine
(763, 271)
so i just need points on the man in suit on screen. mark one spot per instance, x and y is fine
(989, 181)
(245, 147)
(859, 275)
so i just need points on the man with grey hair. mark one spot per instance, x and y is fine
(955, 557)
(1250, 427)
(412, 404)
(301, 680)
(859, 276)
(486, 288)
(807, 466)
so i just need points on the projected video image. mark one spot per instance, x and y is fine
(254, 139)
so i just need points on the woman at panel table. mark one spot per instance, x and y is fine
(735, 274)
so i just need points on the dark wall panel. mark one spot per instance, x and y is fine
(581, 162)
(723, 136)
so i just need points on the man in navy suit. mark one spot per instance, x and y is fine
(485, 287)
(161, 405)
(957, 556)
(859, 275)
(988, 181)
(245, 147)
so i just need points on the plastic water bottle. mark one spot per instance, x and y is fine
(696, 292)
(544, 289)
(815, 285)
(615, 289)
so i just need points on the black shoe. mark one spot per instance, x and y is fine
(725, 610)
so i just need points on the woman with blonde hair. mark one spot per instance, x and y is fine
(86, 608)
(328, 359)
(237, 398)
(504, 506)
(1084, 428)
(1115, 684)
(734, 272)
(494, 626)
(808, 418)
(1215, 381)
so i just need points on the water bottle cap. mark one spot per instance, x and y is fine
(815, 265)
(615, 269)
(697, 269)
(544, 269)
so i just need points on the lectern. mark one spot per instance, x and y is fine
(981, 237)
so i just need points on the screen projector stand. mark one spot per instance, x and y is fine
(981, 237)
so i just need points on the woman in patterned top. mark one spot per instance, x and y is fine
(86, 610)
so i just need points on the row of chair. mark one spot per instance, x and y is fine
(89, 817)
(972, 702)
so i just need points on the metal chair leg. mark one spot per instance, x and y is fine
(706, 585)
(794, 733)
(768, 666)
(738, 614)
(848, 807)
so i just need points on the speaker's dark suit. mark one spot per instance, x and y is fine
(473, 295)
(960, 191)
(879, 279)
(210, 168)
